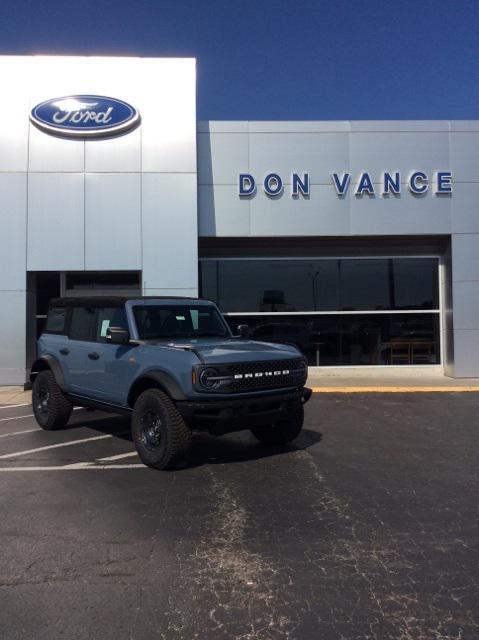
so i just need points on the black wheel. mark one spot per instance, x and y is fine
(160, 434)
(284, 430)
(51, 407)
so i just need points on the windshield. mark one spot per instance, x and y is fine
(158, 322)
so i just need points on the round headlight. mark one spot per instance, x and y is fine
(206, 380)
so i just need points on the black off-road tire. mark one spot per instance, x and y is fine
(284, 430)
(51, 407)
(159, 432)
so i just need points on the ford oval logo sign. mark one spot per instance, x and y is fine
(84, 116)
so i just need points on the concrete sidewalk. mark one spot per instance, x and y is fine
(364, 381)
(333, 382)
(14, 395)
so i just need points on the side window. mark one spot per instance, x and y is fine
(110, 317)
(83, 323)
(56, 320)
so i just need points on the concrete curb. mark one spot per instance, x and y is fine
(10, 396)
(405, 389)
(14, 396)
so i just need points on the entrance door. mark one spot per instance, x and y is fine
(42, 286)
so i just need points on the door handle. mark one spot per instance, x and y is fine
(64, 351)
(94, 355)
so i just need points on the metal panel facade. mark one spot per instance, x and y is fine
(112, 221)
(56, 222)
(465, 285)
(70, 204)
(13, 226)
(170, 234)
(321, 148)
(115, 155)
(54, 155)
(12, 337)
(131, 202)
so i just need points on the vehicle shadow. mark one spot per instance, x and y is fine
(231, 448)
(106, 423)
(242, 447)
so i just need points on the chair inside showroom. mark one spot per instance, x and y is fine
(400, 352)
(421, 352)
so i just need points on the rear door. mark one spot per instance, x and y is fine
(82, 344)
(54, 340)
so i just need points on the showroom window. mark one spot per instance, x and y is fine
(341, 311)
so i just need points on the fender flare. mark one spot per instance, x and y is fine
(164, 380)
(49, 362)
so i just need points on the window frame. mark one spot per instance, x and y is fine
(189, 308)
(437, 293)
(437, 311)
(98, 310)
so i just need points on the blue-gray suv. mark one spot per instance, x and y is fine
(173, 365)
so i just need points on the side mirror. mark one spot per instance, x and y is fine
(244, 331)
(118, 335)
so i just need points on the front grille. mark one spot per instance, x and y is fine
(269, 374)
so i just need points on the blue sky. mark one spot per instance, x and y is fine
(271, 59)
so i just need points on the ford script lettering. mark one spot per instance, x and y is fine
(84, 116)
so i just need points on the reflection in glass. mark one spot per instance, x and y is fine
(347, 284)
(333, 340)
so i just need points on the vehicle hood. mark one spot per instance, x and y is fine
(233, 350)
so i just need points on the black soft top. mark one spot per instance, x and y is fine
(110, 301)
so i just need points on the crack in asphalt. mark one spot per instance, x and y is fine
(372, 537)
(247, 595)
(236, 579)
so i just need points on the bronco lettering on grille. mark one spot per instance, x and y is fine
(241, 376)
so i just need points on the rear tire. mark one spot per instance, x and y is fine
(51, 407)
(159, 432)
(284, 430)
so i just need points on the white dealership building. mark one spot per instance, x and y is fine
(357, 241)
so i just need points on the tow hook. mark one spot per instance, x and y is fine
(307, 393)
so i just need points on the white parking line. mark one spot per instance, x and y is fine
(118, 457)
(12, 406)
(29, 415)
(17, 433)
(100, 461)
(57, 446)
(86, 466)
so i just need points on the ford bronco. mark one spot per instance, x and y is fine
(173, 365)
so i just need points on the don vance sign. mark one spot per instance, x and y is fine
(388, 183)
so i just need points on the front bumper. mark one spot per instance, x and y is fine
(223, 416)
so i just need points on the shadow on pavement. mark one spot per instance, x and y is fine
(242, 447)
(107, 423)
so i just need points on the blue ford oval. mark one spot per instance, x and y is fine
(84, 116)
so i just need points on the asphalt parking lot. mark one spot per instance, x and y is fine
(367, 528)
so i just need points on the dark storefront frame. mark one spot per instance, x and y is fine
(348, 327)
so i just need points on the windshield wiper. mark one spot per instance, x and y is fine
(210, 334)
(186, 336)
